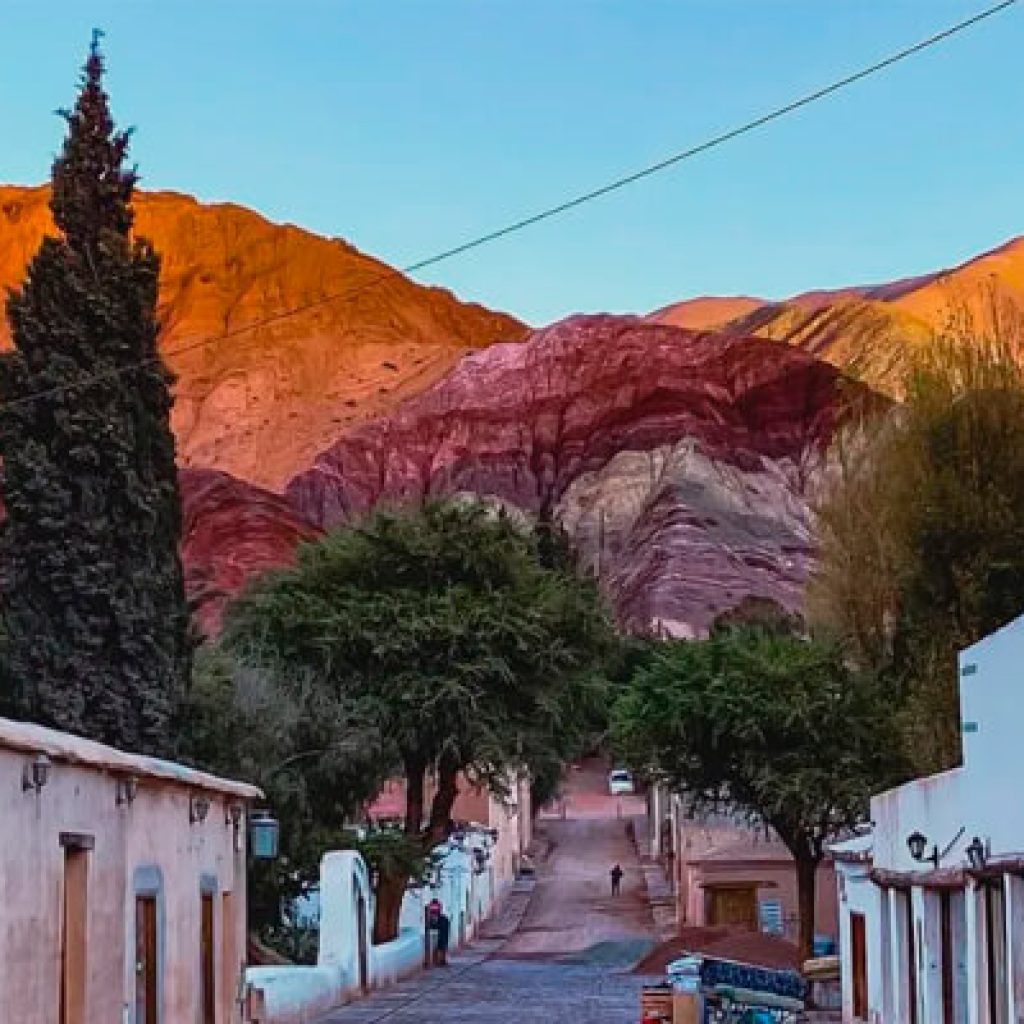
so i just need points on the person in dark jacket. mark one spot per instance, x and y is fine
(616, 874)
(437, 921)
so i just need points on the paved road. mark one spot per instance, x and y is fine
(561, 950)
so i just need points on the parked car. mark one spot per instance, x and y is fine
(619, 782)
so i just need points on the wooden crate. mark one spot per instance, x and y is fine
(656, 1000)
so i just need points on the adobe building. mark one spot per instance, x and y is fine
(122, 885)
(932, 890)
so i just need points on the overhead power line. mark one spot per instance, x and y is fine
(552, 211)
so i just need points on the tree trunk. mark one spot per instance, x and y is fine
(414, 800)
(388, 907)
(444, 800)
(806, 879)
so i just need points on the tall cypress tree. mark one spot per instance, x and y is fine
(90, 575)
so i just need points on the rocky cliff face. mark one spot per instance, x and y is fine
(231, 532)
(260, 404)
(680, 462)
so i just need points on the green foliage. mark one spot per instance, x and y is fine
(391, 852)
(771, 724)
(768, 725)
(92, 588)
(462, 637)
(315, 760)
(443, 627)
(922, 534)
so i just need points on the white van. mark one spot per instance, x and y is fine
(620, 782)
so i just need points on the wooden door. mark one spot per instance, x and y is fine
(74, 923)
(947, 955)
(995, 949)
(859, 965)
(229, 966)
(207, 960)
(735, 908)
(146, 965)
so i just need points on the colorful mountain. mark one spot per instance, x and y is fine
(261, 403)
(680, 462)
(869, 331)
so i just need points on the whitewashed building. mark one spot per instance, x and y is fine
(932, 893)
(122, 885)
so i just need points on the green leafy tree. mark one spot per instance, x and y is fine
(922, 531)
(314, 758)
(447, 628)
(91, 584)
(768, 725)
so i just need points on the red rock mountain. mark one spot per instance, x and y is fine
(260, 404)
(679, 461)
(231, 530)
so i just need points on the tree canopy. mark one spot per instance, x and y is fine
(468, 643)
(770, 725)
(922, 530)
(90, 576)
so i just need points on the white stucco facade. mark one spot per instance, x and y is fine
(348, 963)
(927, 943)
(122, 885)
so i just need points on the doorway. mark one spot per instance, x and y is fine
(74, 931)
(362, 952)
(207, 959)
(859, 965)
(146, 964)
(733, 907)
(995, 952)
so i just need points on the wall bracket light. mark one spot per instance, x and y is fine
(198, 808)
(126, 790)
(36, 773)
(917, 843)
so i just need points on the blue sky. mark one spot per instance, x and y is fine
(407, 126)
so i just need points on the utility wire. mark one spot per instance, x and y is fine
(551, 211)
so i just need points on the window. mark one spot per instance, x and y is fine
(74, 928)
(859, 965)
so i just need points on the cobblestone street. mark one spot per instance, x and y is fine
(562, 947)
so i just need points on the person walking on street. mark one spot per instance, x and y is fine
(616, 874)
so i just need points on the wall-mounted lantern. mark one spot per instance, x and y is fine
(263, 835)
(36, 773)
(918, 844)
(198, 808)
(125, 790)
(977, 854)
